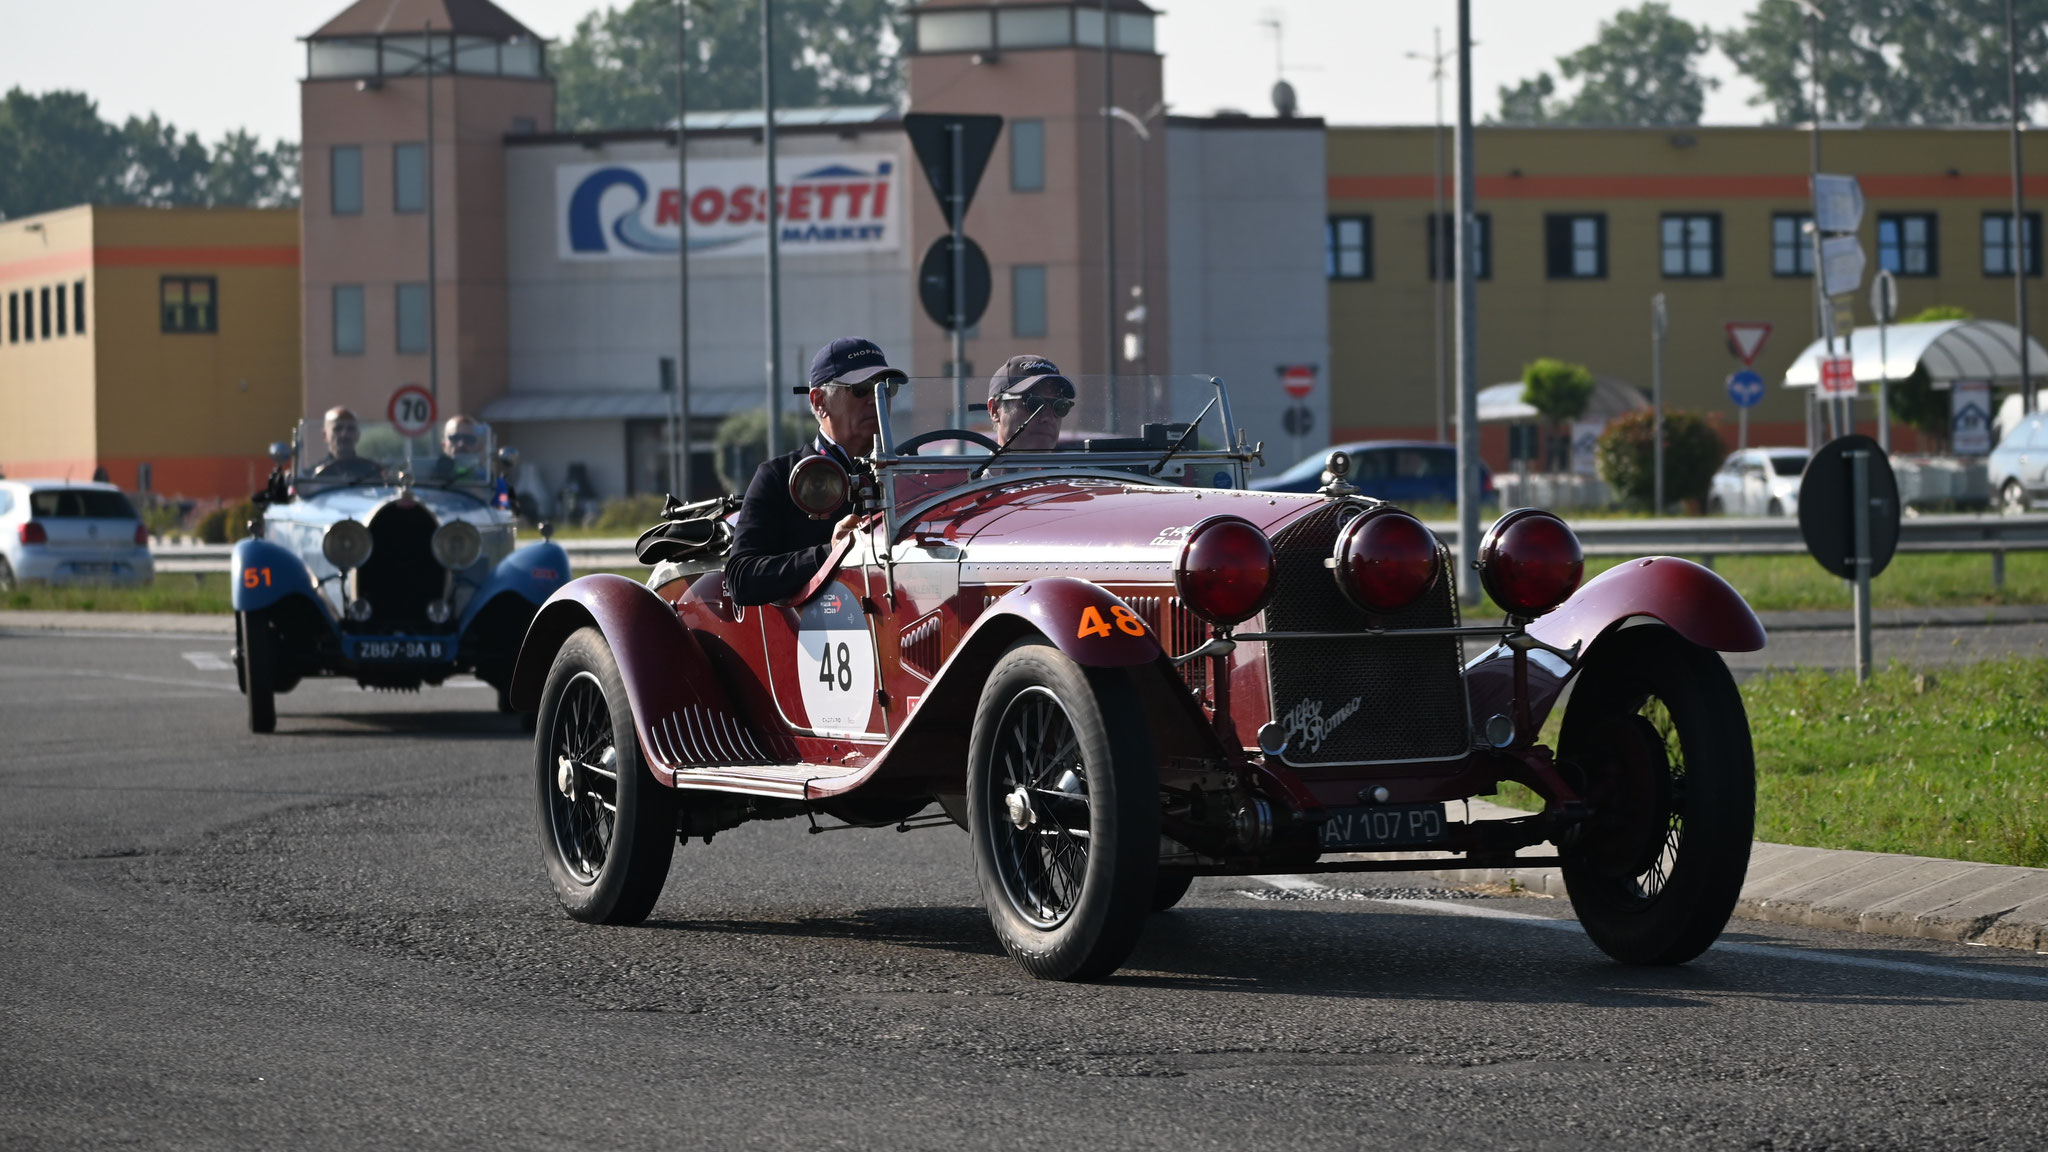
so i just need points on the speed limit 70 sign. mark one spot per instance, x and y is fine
(412, 410)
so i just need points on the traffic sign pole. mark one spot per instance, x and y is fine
(1884, 307)
(1859, 496)
(959, 214)
(1657, 324)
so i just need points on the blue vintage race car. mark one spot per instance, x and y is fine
(392, 565)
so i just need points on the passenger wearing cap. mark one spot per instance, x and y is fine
(1027, 398)
(776, 546)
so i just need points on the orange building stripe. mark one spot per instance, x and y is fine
(1975, 185)
(36, 267)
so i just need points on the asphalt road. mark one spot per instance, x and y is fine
(340, 936)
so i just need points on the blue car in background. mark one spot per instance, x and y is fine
(1400, 471)
(394, 566)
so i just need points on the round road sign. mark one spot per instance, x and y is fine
(1746, 388)
(1298, 379)
(1827, 507)
(411, 410)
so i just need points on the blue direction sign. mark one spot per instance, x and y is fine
(1746, 388)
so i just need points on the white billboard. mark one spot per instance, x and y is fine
(631, 211)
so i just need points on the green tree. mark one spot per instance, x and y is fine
(54, 151)
(1626, 456)
(619, 69)
(1913, 401)
(1559, 392)
(1890, 61)
(1641, 68)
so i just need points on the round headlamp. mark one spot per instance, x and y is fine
(346, 544)
(1225, 570)
(818, 486)
(457, 544)
(1385, 560)
(1530, 562)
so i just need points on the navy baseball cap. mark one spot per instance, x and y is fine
(850, 360)
(1019, 373)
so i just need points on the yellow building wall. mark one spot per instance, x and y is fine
(47, 414)
(1382, 348)
(198, 407)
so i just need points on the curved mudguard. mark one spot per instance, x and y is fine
(534, 572)
(1094, 628)
(680, 709)
(262, 573)
(1689, 599)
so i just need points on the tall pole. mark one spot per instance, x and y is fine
(1109, 293)
(2017, 235)
(679, 435)
(1439, 267)
(1658, 325)
(1823, 322)
(1467, 320)
(774, 228)
(433, 281)
(957, 214)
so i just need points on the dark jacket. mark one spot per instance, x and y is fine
(776, 548)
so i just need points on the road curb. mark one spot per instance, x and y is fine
(26, 623)
(1843, 620)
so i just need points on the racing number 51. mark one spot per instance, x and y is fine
(252, 579)
(840, 677)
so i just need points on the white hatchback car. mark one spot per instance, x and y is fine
(1758, 482)
(60, 532)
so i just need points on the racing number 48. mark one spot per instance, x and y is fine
(1092, 623)
(841, 676)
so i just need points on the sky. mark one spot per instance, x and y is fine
(214, 65)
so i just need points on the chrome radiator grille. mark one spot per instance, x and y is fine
(1357, 701)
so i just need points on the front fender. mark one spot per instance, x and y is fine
(534, 572)
(681, 712)
(262, 573)
(1093, 627)
(1689, 598)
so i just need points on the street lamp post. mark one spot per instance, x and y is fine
(1436, 232)
(1138, 313)
(1467, 319)
(2016, 236)
(679, 425)
(774, 228)
(1109, 303)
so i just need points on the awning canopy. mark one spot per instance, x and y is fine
(1951, 350)
(1503, 403)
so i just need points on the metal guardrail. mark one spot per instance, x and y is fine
(1702, 538)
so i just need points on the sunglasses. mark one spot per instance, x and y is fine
(462, 438)
(865, 389)
(1060, 405)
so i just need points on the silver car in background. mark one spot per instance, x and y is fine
(2018, 467)
(61, 532)
(1758, 482)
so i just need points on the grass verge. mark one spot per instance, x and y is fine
(173, 592)
(1951, 764)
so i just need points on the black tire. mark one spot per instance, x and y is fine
(528, 721)
(607, 826)
(1042, 761)
(1657, 732)
(6, 575)
(1169, 889)
(1777, 508)
(2012, 499)
(1715, 507)
(257, 641)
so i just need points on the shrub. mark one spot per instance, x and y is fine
(629, 514)
(742, 443)
(227, 523)
(1559, 392)
(1913, 401)
(1692, 451)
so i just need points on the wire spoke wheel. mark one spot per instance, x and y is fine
(1657, 733)
(607, 826)
(1063, 812)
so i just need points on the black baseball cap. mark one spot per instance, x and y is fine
(1019, 373)
(850, 360)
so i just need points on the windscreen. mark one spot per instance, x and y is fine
(1788, 465)
(79, 504)
(377, 454)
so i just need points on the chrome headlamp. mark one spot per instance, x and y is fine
(346, 544)
(457, 544)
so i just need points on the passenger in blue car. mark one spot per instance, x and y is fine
(460, 461)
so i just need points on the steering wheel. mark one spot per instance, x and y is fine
(909, 447)
(349, 470)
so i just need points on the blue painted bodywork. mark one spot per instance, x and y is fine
(532, 573)
(264, 573)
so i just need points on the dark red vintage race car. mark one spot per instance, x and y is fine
(1118, 670)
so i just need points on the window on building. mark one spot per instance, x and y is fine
(190, 304)
(28, 315)
(1905, 244)
(345, 179)
(1027, 155)
(44, 312)
(412, 317)
(1999, 255)
(1575, 246)
(408, 178)
(348, 319)
(78, 307)
(63, 313)
(1691, 245)
(1441, 239)
(14, 317)
(1027, 301)
(1791, 245)
(1347, 248)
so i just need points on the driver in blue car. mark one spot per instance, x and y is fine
(776, 546)
(1027, 399)
(343, 431)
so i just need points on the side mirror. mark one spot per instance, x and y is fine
(280, 453)
(508, 458)
(819, 486)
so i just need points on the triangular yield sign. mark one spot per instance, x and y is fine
(1746, 338)
(931, 137)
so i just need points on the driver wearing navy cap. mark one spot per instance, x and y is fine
(776, 546)
(1027, 399)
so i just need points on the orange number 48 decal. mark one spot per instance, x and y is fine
(1092, 623)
